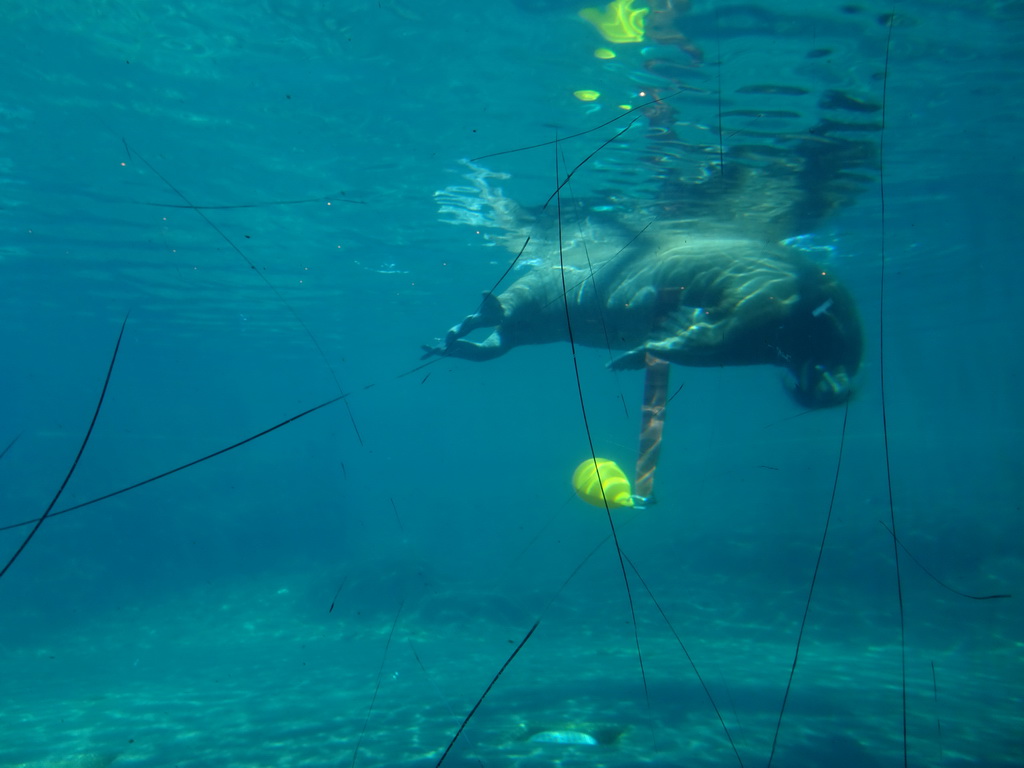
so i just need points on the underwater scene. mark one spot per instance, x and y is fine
(514, 383)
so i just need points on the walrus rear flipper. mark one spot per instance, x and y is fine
(491, 312)
(488, 349)
(490, 315)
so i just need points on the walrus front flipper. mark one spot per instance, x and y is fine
(697, 345)
(633, 360)
(678, 332)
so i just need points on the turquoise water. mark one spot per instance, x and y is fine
(342, 590)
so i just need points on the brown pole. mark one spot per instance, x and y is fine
(651, 424)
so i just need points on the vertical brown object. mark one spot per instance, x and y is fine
(651, 424)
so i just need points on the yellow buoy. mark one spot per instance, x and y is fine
(586, 95)
(616, 490)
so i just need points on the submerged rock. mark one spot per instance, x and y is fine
(563, 737)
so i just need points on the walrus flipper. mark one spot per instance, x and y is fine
(696, 345)
(671, 350)
(684, 337)
(633, 360)
(490, 315)
(488, 349)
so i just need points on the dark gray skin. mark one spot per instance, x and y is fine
(701, 302)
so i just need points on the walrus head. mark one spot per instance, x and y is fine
(818, 386)
(824, 340)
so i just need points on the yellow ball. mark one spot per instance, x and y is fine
(586, 95)
(601, 481)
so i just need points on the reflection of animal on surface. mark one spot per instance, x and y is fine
(701, 301)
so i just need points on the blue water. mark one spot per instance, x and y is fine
(341, 591)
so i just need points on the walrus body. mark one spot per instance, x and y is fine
(707, 301)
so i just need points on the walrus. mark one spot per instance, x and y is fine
(696, 301)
